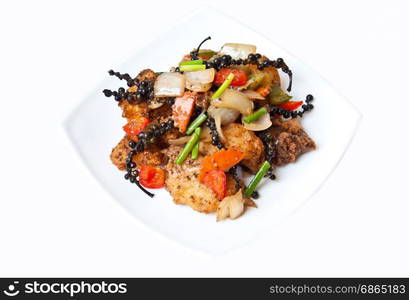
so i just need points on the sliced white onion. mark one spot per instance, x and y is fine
(227, 115)
(235, 100)
(180, 141)
(253, 95)
(231, 206)
(199, 81)
(169, 84)
(261, 123)
(218, 123)
(202, 76)
(238, 50)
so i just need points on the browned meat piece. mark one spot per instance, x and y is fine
(161, 114)
(120, 153)
(146, 74)
(291, 141)
(172, 134)
(241, 139)
(202, 100)
(183, 184)
(133, 111)
(231, 185)
(206, 148)
(271, 75)
(151, 156)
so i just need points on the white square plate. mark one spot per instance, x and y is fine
(95, 127)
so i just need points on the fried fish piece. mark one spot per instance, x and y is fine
(183, 184)
(291, 141)
(151, 156)
(241, 139)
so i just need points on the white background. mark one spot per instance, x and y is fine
(56, 220)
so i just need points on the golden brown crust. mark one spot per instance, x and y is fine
(146, 74)
(241, 139)
(134, 111)
(152, 156)
(291, 141)
(120, 153)
(183, 184)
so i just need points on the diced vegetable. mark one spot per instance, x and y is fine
(182, 110)
(151, 177)
(135, 126)
(264, 91)
(253, 117)
(196, 123)
(261, 123)
(235, 100)
(169, 84)
(256, 80)
(238, 50)
(257, 178)
(277, 95)
(199, 81)
(220, 160)
(227, 115)
(240, 77)
(192, 68)
(223, 87)
(216, 180)
(253, 95)
(222, 116)
(203, 54)
(231, 206)
(189, 146)
(195, 150)
(218, 123)
(206, 53)
(191, 62)
(290, 105)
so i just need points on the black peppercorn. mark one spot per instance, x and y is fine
(255, 195)
(107, 93)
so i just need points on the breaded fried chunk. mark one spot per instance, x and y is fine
(241, 139)
(290, 141)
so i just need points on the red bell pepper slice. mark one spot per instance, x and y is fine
(135, 126)
(290, 105)
(240, 77)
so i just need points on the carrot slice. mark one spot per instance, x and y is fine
(182, 110)
(264, 91)
(221, 160)
(152, 177)
(216, 180)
